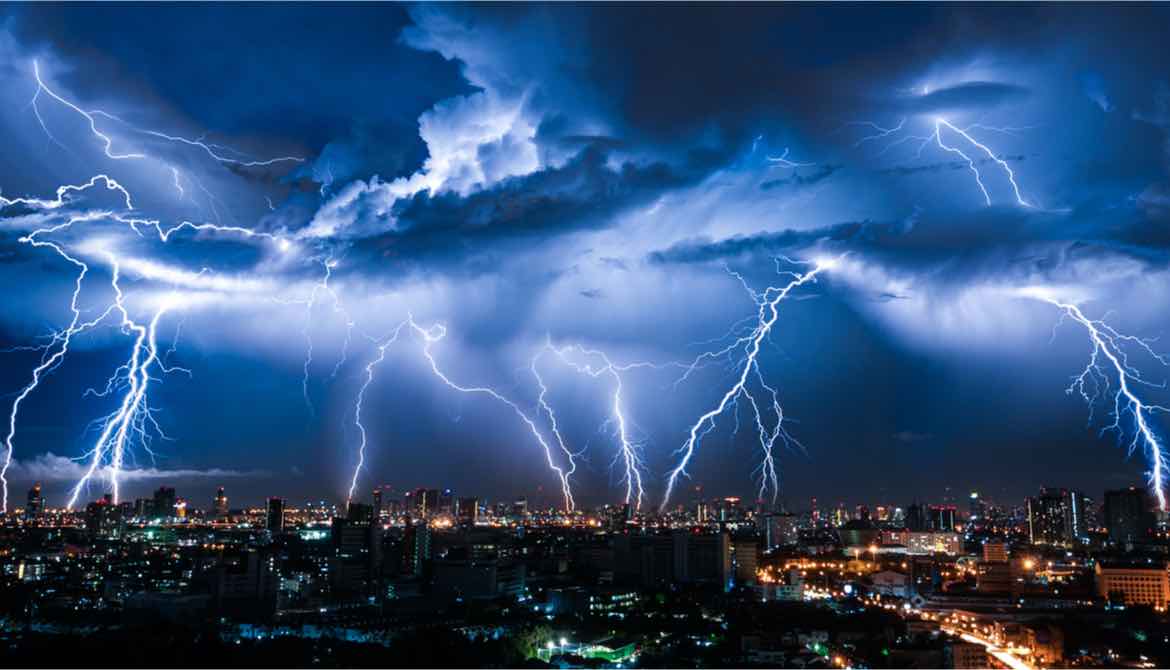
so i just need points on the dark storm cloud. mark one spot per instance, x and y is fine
(974, 95)
(702, 250)
(989, 244)
(907, 170)
(821, 173)
(446, 230)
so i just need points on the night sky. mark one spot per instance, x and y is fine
(609, 176)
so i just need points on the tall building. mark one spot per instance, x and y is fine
(102, 517)
(746, 558)
(164, 502)
(378, 503)
(941, 518)
(431, 502)
(702, 512)
(219, 508)
(520, 507)
(357, 545)
(416, 548)
(976, 508)
(915, 518)
(447, 502)
(780, 530)
(468, 511)
(36, 502)
(275, 515)
(1057, 516)
(1129, 515)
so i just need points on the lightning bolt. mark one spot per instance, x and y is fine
(938, 125)
(131, 420)
(629, 451)
(768, 302)
(133, 415)
(783, 161)
(91, 117)
(434, 335)
(54, 351)
(359, 402)
(1108, 361)
(321, 288)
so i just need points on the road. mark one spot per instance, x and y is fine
(1002, 655)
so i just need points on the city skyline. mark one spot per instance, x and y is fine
(511, 249)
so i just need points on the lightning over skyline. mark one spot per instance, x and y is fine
(491, 249)
(629, 454)
(435, 334)
(1109, 360)
(768, 302)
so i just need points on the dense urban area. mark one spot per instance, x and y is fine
(429, 578)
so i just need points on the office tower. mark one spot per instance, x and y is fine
(416, 548)
(976, 509)
(357, 543)
(1057, 516)
(520, 507)
(1129, 515)
(423, 502)
(468, 512)
(446, 502)
(275, 515)
(915, 518)
(102, 518)
(941, 518)
(219, 508)
(378, 502)
(164, 503)
(780, 530)
(36, 502)
(431, 502)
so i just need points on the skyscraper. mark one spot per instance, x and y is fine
(378, 502)
(164, 502)
(976, 510)
(357, 542)
(219, 508)
(1057, 516)
(36, 503)
(275, 515)
(1129, 515)
(468, 512)
(416, 548)
(102, 518)
(941, 518)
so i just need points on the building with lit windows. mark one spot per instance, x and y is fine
(1058, 517)
(1134, 583)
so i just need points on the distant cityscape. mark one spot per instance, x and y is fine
(1056, 580)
